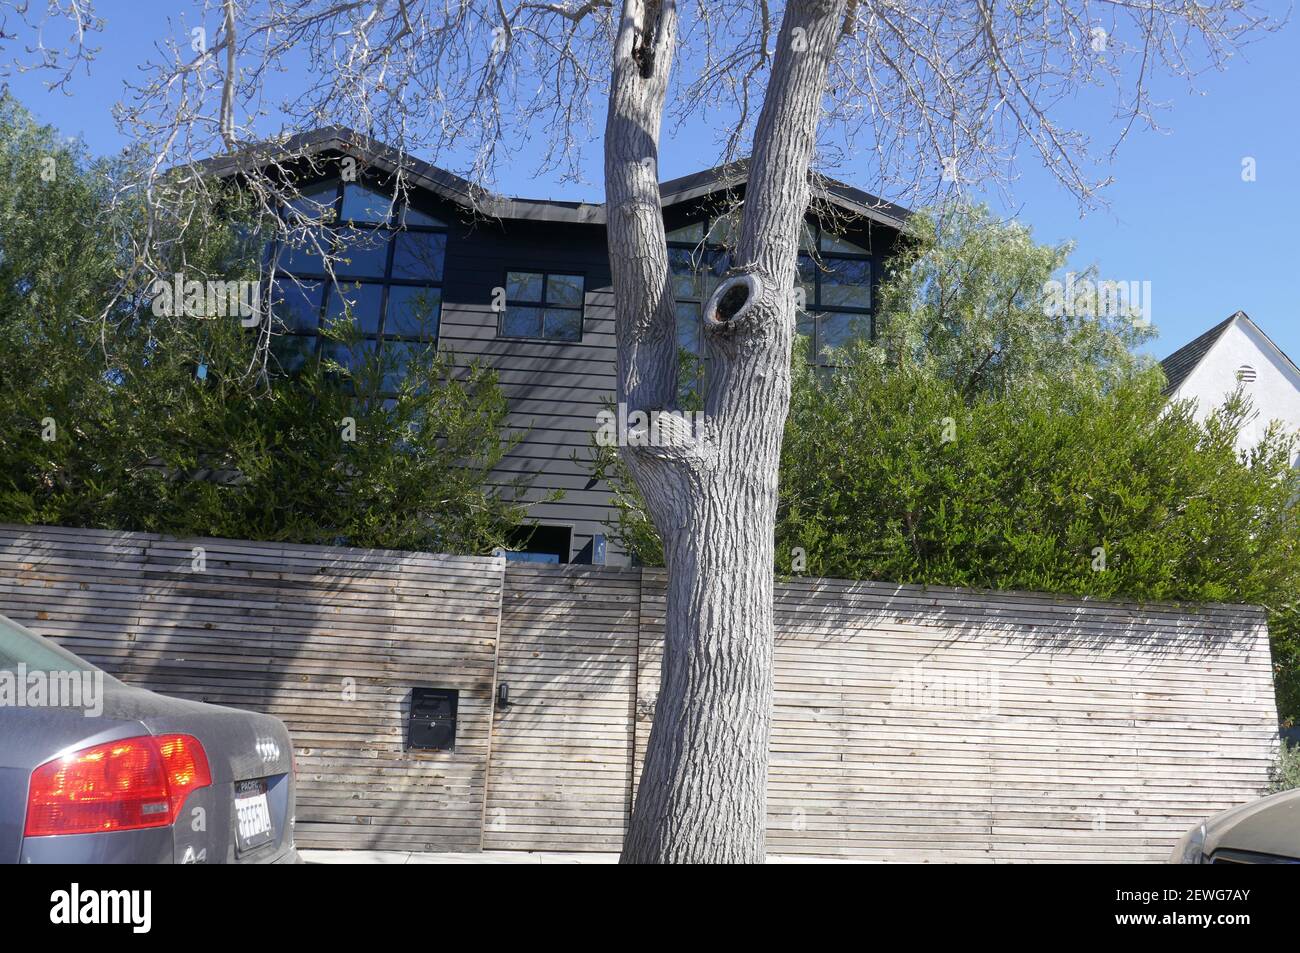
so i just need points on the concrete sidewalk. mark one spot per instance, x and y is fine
(498, 857)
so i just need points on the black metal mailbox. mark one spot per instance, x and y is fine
(433, 719)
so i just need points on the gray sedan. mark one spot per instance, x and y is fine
(1266, 831)
(95, 771)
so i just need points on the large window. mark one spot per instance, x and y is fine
(834, 275)
(835, 278)
(542, 306)
(698, 258)
(387, 286)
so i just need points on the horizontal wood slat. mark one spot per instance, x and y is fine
(329, 639)
(910, 723)
(920, 723)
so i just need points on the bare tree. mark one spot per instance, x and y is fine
(703, 794)
(925, 95)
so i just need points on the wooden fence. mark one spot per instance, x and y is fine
(910, 723)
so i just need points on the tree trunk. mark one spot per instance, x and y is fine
(712, 496)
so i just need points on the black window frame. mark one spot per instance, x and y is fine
(814, 308)
(328, 287)
(707, 256)
(542, 305)
(703, 252)
(541, 539)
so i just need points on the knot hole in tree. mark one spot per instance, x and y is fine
(732, 299)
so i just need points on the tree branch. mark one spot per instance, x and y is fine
(645, 320)
(228, 87)
(778, 189)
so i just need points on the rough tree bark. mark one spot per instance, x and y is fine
(703, 792)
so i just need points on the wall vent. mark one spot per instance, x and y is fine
(1246, 374)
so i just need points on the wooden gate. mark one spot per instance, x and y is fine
(560, 765)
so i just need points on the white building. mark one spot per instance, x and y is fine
(1231, 354)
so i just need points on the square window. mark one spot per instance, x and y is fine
(839, 330)
(418, 256)
(544, 543)
(360, 302)
(297, 306)
(361, 204)
(291, 352)
(683, 266)
(302, 256)
(524, 286)
(692, 233)
(543, 305)
(413, 312)
(562, 324)
(564, 290)
(521, 321)
(397, 359)
(365, 297)
(364, 252)
(845, 283)
(350, 355)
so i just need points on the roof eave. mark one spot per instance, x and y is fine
(462, 192)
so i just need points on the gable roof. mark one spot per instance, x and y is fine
(728, 176)
(454, 188)
(1179, 365)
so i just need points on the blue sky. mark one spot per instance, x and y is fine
(1179, 214)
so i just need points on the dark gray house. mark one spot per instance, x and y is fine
(524, 285)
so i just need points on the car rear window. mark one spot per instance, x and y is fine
(18, 646)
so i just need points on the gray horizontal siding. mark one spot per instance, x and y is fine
(555, 389)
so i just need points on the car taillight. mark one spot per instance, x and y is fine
(116, 786)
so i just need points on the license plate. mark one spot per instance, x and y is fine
(252, 815)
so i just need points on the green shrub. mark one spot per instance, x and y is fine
(1285, 775)
(977, 444)
(115, 417)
